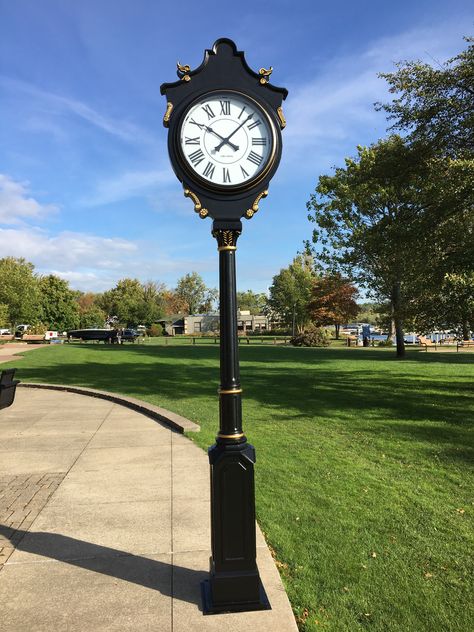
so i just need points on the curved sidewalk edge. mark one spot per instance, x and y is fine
(174, 421)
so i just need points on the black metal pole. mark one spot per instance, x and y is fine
(234, 584)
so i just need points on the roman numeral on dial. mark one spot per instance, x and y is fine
(225, 175)
(225, 107)
(259, 141)
(193, 141)
(254, 124)
(209, 170)
(208, 110)
(196, 157)
(255, 158)
(244, 173)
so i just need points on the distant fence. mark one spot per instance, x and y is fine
(194, 340)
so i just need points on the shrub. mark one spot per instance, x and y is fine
(155, 330)
(38, 329)
(312, 337)
(385, 343)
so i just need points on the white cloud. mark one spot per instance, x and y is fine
(333, 111)
(57, 104)
(68, 249)
(96, 263)
(127, 185)
(16, 205)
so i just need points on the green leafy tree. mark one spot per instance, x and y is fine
(458, 301)
(19, 290)
(192, 292)
(451, 307)
(132, 303)
(251, 301)
(59, 309)
(435, 104)
(367, 312)
(92, 317)
(3, 315)
(290, 293)
(333, 301)
(396, 220)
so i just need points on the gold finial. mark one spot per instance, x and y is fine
(182, 70)
(265, 74)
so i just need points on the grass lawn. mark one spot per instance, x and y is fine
(364, 467)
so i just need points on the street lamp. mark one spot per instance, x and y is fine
(224, 143)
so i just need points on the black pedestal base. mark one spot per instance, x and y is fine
(209, 607)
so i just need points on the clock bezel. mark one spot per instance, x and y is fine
(214, 186)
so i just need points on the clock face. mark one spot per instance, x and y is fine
(227, 140)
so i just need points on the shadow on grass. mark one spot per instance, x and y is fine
(401, 398)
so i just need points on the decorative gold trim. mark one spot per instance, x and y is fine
(265, 74)
(282, 118)
(222, 248)
(229, 391)
(226, 239)
(231, 436)
(182, 70)
(251, 211)
(167, 116)
(203, 212)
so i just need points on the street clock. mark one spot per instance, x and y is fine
(224, 138)
(224, 142)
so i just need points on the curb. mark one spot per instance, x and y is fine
(174, 421)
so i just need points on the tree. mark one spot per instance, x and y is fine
(434, 108)
(367, 312)
(290, 293)
(3, 315)
(19, 290)
(173, 304)
(435, 105)
(192, 292)
(132, 303)
(251, 301)
(367, 217)
(59, 309)
(333, 301)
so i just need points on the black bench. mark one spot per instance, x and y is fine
(7, 387)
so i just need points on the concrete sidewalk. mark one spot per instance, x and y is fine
(105, 523)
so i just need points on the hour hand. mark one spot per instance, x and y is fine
(224, 140)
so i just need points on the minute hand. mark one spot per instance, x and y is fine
(226, 140)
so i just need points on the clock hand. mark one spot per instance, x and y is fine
(226, 140)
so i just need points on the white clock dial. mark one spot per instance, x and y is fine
(227, 139)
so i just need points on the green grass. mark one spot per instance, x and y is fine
(364, 467)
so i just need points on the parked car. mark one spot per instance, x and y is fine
(129, 335)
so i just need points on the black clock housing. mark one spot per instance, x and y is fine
(224, 68)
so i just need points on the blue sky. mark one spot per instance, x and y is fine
(86, 189)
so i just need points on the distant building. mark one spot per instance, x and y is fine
(209, 323)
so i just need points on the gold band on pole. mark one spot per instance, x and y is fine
(229, 391)
(221, 248)
(231, 436)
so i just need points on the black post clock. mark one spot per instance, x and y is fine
(224, 142)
